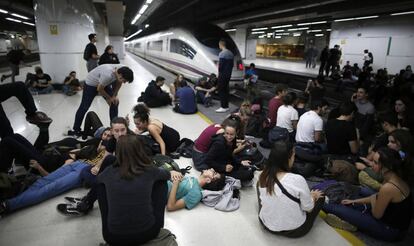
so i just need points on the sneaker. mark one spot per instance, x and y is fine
(74, 200)
(222, 110)
(38, 118)
(70, 210)
(337, 222)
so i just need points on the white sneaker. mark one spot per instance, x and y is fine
(222, 110)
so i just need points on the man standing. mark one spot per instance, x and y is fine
(106, 80)
(91, 53)
(225, 68)
(14, 57)
(333, 60)
(323, 58)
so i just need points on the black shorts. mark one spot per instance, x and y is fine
(14, 68)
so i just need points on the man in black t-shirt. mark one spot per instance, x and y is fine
(341, 134)
(90, 55)
(42, 82)
(14, 57)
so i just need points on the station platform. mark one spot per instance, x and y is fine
(42, 225)
(284, 66)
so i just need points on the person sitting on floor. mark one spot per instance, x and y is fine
(286, 206)
(154, 96)
(203, 142)
(385, 215)
(176, 84)
(310, 125)
(186, 99)
(132, 185)
(42, 83)
(220, 156)
(341, 135)
(167, 137)
(71, 84)
(186, 192)
(275, 102)
(204, 90)
(287, 116)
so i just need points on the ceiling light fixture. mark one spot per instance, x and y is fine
(296, 34)
(281, 30)
(304, 24)
(231, 30)
(149, 1)
(143, 8)
(11, 19)
(28, 23)
(20, 16)
(319, 35)
(134, 34)
(262, 36)
(292, 29)
(4, 11)
(276, 27)
(260, 29)
(318, 30)
(146, 25)
(357, 18)
(278, 36)
(394, 14)
(259, 32)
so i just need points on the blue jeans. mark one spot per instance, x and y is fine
(361, 217)
(199, 160)
(63, 179)
(45, 90)
(89, 93)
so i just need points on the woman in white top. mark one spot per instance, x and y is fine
(287, 115)
(286, 206)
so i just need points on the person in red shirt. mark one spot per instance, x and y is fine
(276, 102)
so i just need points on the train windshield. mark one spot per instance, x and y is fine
(210, 35)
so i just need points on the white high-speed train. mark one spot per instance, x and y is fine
(192, 51)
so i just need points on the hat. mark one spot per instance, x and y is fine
(98, 133)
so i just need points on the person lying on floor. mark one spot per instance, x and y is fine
(385, 215)
(167, 137)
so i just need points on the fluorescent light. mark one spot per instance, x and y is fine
(146, 25)
(292, 29)
(285, 33)
(136, 33)
(143, 8)
(303, 28)
(357, 18)
(311, 23)
(401, 13)
(135, 19)
(347, 19)
(318, 30)
(278, 36)
(319, 22)
(4, 11)
(20, 16)
(281, 30)
(149, 1)
(259, 32)
(276, 27)
(328, 30)
(319, 35)
(11, 19)
(366, 17)
(28, 23)
(304, 24)
(262, 36)
(296, 34)
(260, 29)
(231, 30)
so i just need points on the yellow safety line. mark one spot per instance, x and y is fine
(351, 238)
(204, 117)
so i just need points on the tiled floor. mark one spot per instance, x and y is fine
(42, 225)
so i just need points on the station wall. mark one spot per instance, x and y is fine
(390, 39)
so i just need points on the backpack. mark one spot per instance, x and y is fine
(252, 154)
(11, 186)
(278, 134)
(151, 147)
(86, 54)
(256, 125)
(185, 148)
(167, 163)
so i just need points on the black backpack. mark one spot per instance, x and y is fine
(167, 163)
(185, 148)
(252, 154)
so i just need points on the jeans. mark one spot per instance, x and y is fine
(361, 217)
(89, 93)
(63, 179)
(17, 147)
(159, 201)
(224, 91)
(43, 90)
(91, 64)
(20, 91)
(199, 160)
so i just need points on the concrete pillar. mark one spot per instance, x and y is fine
(240, 40)
(62, 31)
(115, 19)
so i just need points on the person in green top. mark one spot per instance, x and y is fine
(186, 192)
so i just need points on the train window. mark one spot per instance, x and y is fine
(182, 48)
(137, 46)
(155, 45)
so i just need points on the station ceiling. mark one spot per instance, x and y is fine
(230, 13)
